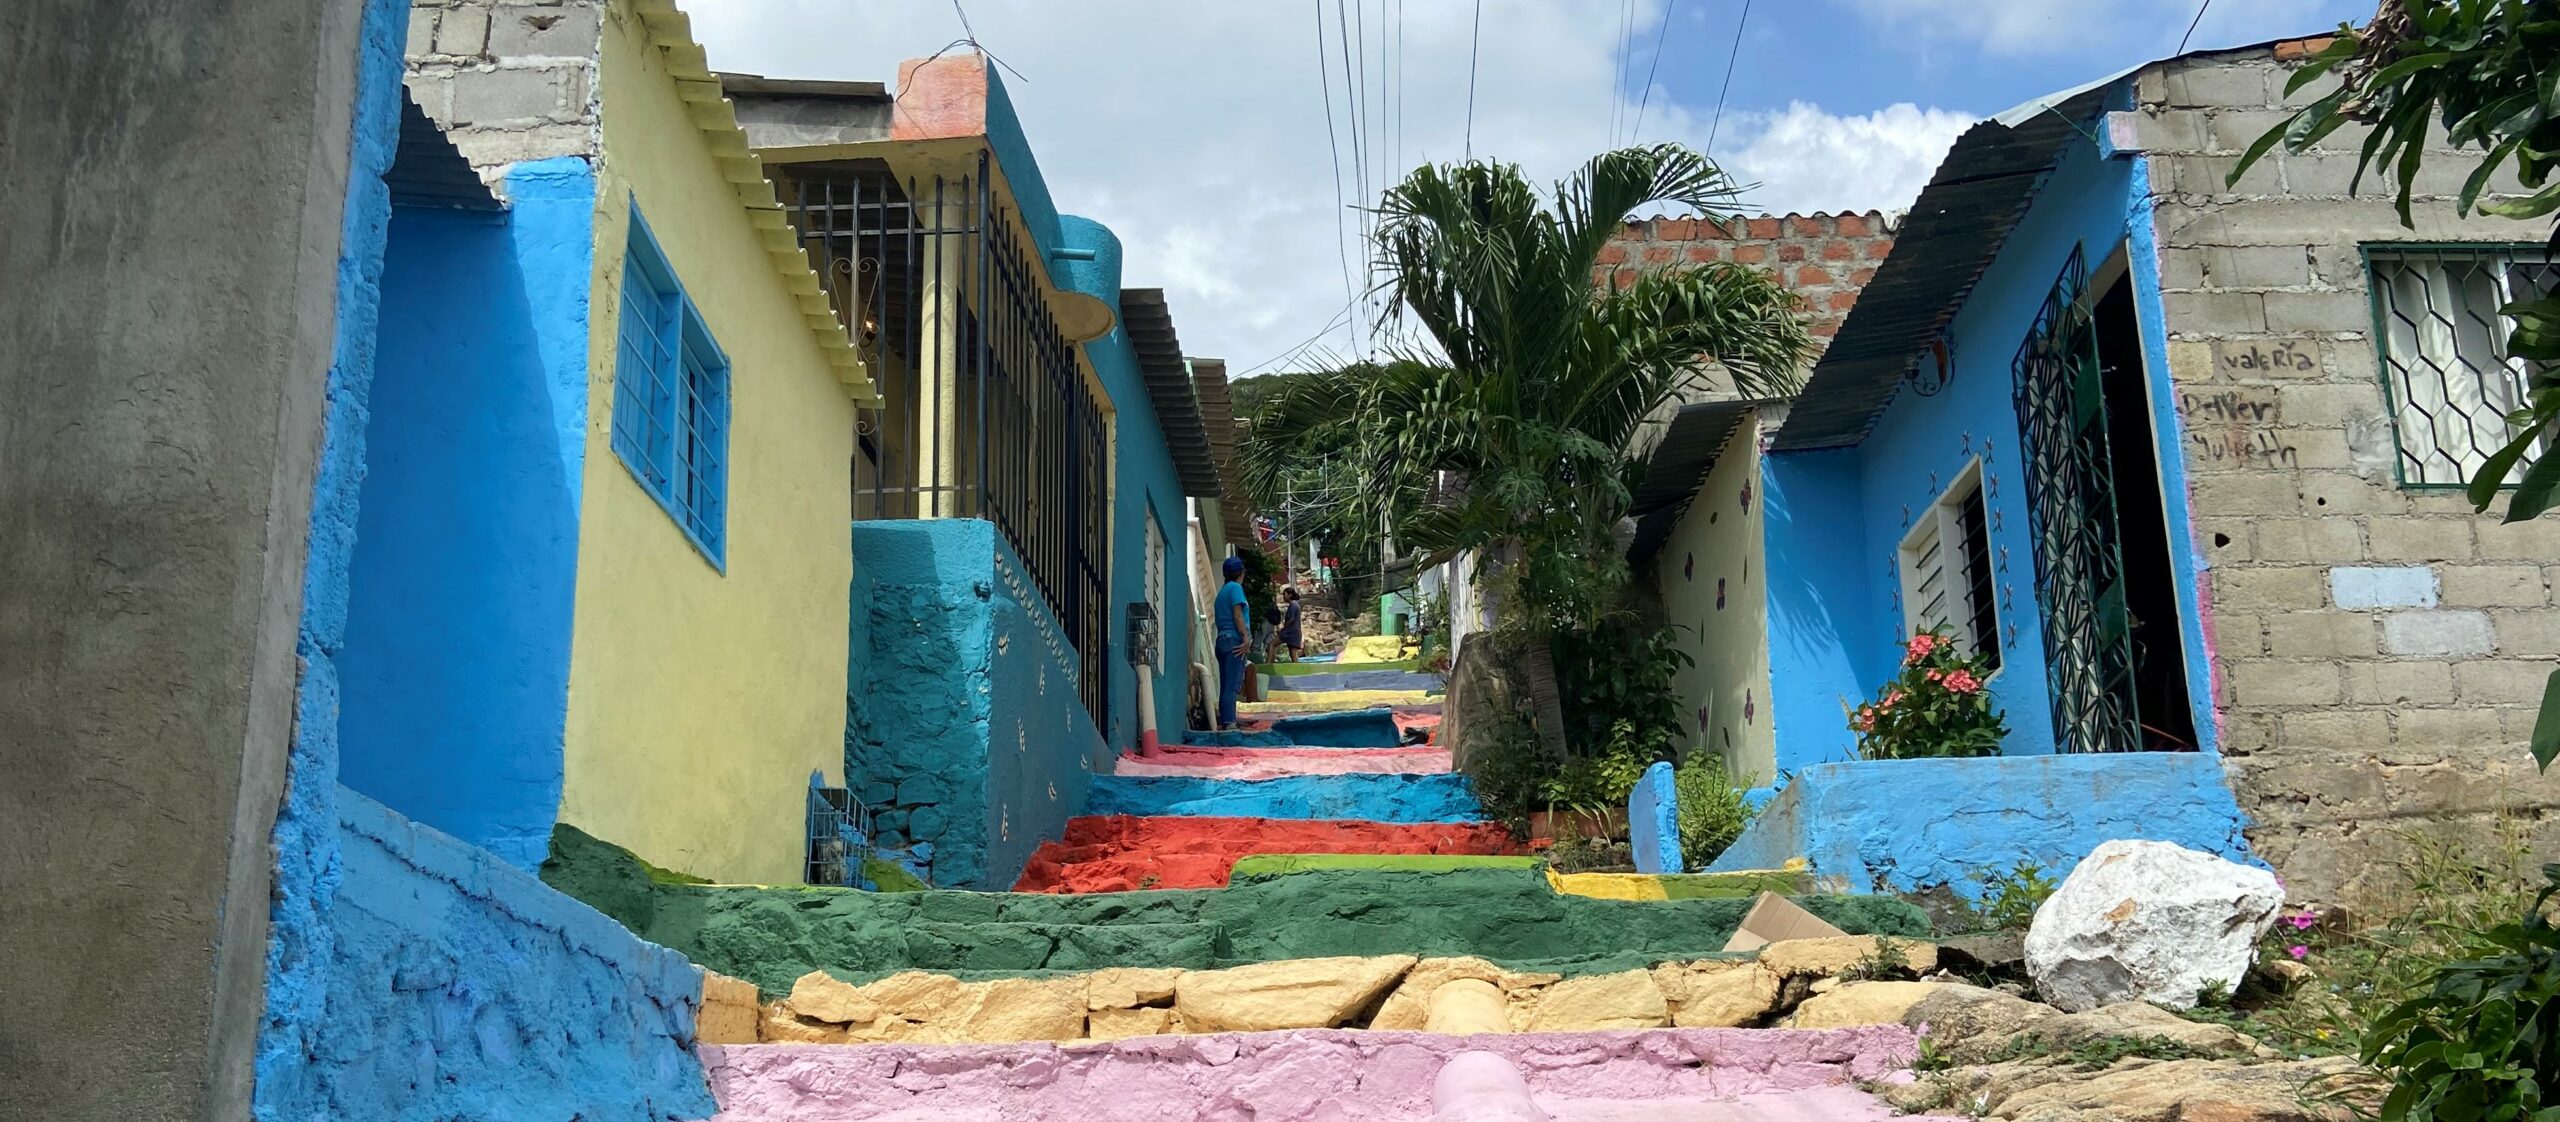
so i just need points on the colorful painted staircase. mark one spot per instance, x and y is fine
(1309, 919)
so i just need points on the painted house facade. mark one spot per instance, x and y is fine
(601, 530)
(2181, 457)
(1021, 525)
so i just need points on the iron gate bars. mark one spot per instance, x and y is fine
(985, 411)
(2071, 506)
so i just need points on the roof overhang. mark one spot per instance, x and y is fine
(1218, 413)
(1168, 377)
(1946, 241)
(428, 171)
(1678, 467)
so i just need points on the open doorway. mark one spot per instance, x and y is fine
(2162, 708)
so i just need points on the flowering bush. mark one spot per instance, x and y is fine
(1937, 706)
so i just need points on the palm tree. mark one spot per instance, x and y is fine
(1545, 370)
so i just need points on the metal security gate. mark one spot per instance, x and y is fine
(986, 411)
(2071, 505)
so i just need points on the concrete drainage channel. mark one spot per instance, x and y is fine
(1308, 919)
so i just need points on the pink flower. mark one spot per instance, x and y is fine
(1963, 681)
(2303, 922)
(1921, 645)
(1935, 675)
(2298, 951)
(1890, 696)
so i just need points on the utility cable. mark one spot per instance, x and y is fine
(1333, 148)
(1475, 44)
(2207, 6)
(1637, 133)
(1729, 59)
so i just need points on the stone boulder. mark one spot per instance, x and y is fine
(1296, 994)
(1626, 1000)
(2149, 921)
(1862, 1003)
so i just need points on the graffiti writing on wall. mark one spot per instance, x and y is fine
(2239, 358)
(2234, 426)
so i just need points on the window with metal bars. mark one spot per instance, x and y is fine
(1946, 570)
(671, 397)
(2442, 345)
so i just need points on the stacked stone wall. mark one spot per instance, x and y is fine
(2379, 650)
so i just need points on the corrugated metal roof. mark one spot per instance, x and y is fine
(427, 171)
(1950, 236)
(1168, 376)
(1678, 466)
(1218, 413)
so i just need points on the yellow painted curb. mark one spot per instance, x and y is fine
(1364, 697)
(1320, 703)
(1378, 648)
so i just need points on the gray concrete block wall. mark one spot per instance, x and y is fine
(2379, 651)
(509, 81)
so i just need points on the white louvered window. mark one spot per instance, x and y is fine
(1946, 570)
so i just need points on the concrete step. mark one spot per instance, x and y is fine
(1358, 728)
(1274, 763)
(1375, 798)
(1661, 1075)
(1116, 854)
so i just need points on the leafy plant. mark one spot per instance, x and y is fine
(1712, 809)
(2010, 899)
(2484, 70)
(1261, 581)
(2482, 1043)
(1886, 959)
(1937, 705)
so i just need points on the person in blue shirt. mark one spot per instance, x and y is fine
(1233, 626)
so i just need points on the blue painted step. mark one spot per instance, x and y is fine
(1371, 798)
(1357, 728)
(1357, 680)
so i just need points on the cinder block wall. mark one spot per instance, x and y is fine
(2379, 651)
(509, 82)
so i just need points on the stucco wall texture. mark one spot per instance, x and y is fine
(2378, 651)
(1713, 577)
(1908, 825)
(455, 986)
(701, 699)
(962, 725)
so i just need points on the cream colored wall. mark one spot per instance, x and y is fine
(700, 701)
(1720, 537)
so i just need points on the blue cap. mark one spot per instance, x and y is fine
(1235, 566)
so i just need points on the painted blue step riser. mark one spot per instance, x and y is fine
(1373, 798)
(1358, 728)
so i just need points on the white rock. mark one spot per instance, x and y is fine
(2149, 921)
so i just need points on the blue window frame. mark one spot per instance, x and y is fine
(671, 397)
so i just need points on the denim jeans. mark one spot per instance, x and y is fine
(1230, 685)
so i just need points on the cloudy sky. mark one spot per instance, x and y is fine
(1198, 129)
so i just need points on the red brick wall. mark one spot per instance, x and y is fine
(1825, 258)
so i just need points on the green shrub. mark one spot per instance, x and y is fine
(1712, 809)
(2482, 1042)
(1938, 705)
(2010, 899)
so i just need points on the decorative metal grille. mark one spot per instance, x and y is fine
(839, 837)
(2062, 415)
(986, 411)
(2443, 347)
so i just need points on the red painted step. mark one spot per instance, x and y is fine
(1118, 853)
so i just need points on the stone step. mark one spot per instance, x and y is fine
(1273, 763)
(1358, 728)
(1663, 1075)
(1515, 917)
(1375, 798)
(1121, 853)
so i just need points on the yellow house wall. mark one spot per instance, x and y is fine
(1718, 538)
(699, 702)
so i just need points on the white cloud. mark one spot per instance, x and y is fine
(1197, 131)
(2110, 27)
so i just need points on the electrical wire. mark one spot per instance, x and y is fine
(1333, 148)
(1475, 43)
(1637, 133)
(1729, 59)
(2207, 6)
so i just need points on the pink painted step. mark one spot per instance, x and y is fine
(1659, 1075)
(1273, 763)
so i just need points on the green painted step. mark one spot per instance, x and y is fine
(772, 935)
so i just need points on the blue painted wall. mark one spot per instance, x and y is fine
(459, 987)
(1144, 482)
(1917, 448)
(456, 665)
(963, 725)
(1653, 820)
(308, 866)
(1904, 825)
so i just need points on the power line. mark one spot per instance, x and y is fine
(1355, 85)
(1333, 148)
(1618, 71)
(1475, 41)
(2207, 6)
(1729, 60)
(1637, 133)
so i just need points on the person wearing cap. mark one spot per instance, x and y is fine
(1233, 626)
